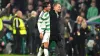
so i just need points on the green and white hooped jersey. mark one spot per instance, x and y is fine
(44, 22)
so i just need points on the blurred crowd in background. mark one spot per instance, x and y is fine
(29, 10)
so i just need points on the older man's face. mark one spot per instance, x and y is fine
(58, 8)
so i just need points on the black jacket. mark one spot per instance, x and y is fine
(56, 26)
(83, 34)
(31, 25)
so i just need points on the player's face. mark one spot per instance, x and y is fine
(48, 7)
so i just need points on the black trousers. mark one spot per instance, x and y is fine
(79, 49)
(18, 44)
(68, 47)
(60, 46)
(32, 43)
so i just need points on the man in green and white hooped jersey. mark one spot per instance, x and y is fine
(44, 29)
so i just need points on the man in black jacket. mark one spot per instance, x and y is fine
(57, 28)
(31, 31)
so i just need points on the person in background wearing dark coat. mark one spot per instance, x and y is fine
(31, 31)
(76, 34)
(57, 28)
(80, 32)
(68, 31)
(12, 2)
(84, 32)
(74, 11)
(29, 10)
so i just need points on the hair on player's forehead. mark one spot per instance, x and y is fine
(45, 4)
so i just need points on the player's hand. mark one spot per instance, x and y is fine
(70, 38)
(41, 36)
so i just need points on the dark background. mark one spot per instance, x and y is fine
(23, 4)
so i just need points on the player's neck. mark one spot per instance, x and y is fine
(44, 10)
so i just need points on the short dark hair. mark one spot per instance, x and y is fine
(45, 4)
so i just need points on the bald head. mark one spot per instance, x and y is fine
(33, 14)
(19, 14)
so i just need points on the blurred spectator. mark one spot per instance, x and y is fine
(88, 2)
(31, 31)
(74, 11)
(73, 3)
(46, 0)
(4, 12)
(82, 14)
(29, 10)
(68, 31)
(14, 10)
(83, 9)
(97, 41)
(12, 5)
(30, 1)
(83, 36)
(21, 4)
(40, 3)
(39, 9)
(63, 12)
(34, 3)
(80, 2)
(77, 35)
(66, 4)
(92, 11)
(12, 2)
(19, 33)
